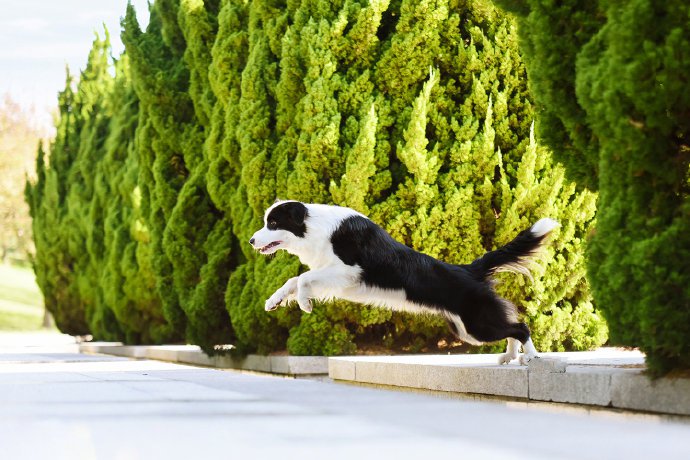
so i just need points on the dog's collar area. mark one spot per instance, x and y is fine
(269, 246)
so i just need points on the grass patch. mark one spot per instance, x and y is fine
(21, 301)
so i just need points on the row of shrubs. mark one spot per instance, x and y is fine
(610, 79)
(415, 112)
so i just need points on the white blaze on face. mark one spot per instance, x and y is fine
(269, 238)
(267, 241)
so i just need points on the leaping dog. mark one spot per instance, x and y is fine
(352, 258)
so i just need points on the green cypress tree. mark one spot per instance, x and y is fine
(52, 262)
(127, 281)
(60, 206)
(197, 237)
(612, 79)
(318, 156)
(228, 59)
(425, 201)
(353, 190)
(232, 104)
(550, 55)
(159, 78)
(481, 163)
(85, 205)
(257, 188)
(182, 217)
(637, 256)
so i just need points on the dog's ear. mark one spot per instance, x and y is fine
(298, 212)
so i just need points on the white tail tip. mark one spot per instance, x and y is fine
(543, 226)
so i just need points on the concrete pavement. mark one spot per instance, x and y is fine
(56, 403)
(606, 377)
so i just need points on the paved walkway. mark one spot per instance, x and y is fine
(58, 404)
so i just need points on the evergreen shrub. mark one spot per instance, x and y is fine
(413, 112)
(611, 82)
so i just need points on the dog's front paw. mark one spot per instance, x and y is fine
(505, 358)
(273, 302)
(270, 305)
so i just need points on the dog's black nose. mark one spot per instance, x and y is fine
(251, 241)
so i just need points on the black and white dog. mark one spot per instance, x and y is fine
(352, 258)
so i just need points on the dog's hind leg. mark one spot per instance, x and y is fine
(529, 352)
(520, 331)
(511, 351)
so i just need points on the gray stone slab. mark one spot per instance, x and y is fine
(632, 389)
(95, 347)
(162, 353)
(280, 364)
(299, 365)
(483, 379)
(579, 384)
(543, 364)
(580, 378)
(130, 351)
(192, 354)
(221, 362)
(195, 357)
(607, 356)
(341, 369)
(256, 363)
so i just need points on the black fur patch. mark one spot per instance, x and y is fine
(288, 216)
(456, 289)
(516, 252)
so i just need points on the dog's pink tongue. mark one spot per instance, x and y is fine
(269, 246)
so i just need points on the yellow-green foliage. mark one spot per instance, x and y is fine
(414, 112)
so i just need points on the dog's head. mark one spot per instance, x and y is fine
(284, 223)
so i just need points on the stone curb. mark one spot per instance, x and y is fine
(607, 377)
(191, 354)
(602, 378)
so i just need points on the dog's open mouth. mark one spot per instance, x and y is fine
(269, 246)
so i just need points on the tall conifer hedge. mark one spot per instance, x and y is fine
(414, 112)
(611, 80)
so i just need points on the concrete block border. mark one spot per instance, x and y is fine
(606, 377)
(192, 354)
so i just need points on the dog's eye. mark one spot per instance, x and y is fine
(272, 224)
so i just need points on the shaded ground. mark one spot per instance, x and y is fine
(55, 403)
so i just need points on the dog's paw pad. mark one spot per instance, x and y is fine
(524, 359)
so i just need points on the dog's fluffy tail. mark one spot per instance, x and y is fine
(515, 255)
